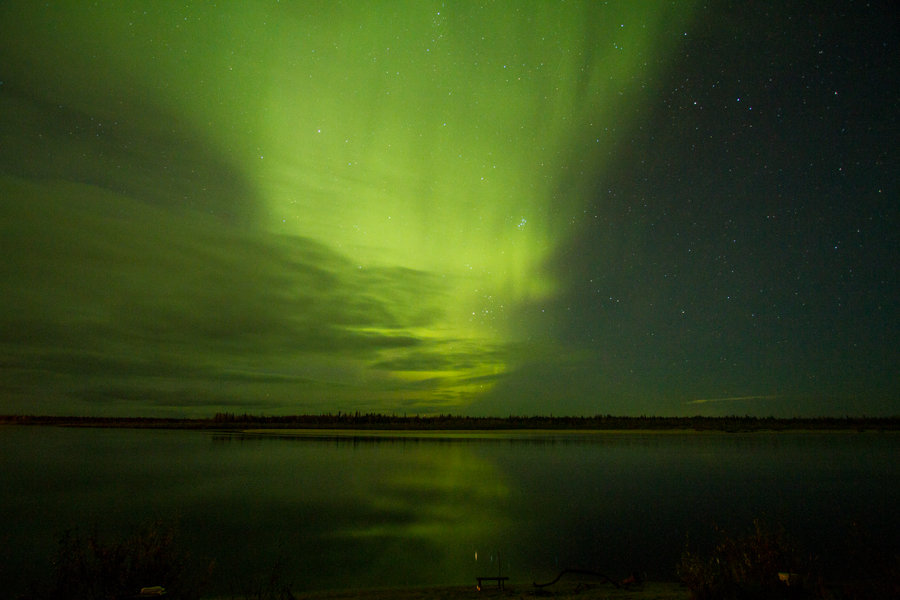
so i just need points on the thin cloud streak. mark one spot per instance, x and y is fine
(729, 399)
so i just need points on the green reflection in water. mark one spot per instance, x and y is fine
(443, 493)
(411, 508)
(425, 513)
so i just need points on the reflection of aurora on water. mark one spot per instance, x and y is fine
(442, 500)
(398, 178)
(336, 515)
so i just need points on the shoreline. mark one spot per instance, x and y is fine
(574, 590)
(389, 425)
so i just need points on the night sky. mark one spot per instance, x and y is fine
(485, 208)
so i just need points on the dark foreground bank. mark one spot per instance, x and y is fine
(568, 591)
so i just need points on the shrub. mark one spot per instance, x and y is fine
(271, 585)
(871, 571)
(748, 567)
(89, 568)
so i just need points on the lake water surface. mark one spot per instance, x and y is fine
(339, 512)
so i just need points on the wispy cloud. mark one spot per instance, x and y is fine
(729, 399)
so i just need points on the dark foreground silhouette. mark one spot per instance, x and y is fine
(761, 563)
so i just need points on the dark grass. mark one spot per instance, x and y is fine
(745, 566)
(90, 567)
(766, 563)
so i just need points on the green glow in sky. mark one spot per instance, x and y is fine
(433, 138)
(357, 196)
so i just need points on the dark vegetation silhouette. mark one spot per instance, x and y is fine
(766, 563)
(89, 567)
(761, 563)
(341, 420)
(93, 567)
(273, 584)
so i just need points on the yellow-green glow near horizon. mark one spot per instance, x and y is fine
(433, 138)
(441, 140)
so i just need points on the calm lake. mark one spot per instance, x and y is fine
(339, 512)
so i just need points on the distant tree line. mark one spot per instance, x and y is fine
(448, 421)
(357, 420)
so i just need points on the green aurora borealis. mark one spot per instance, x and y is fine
(387, 206)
